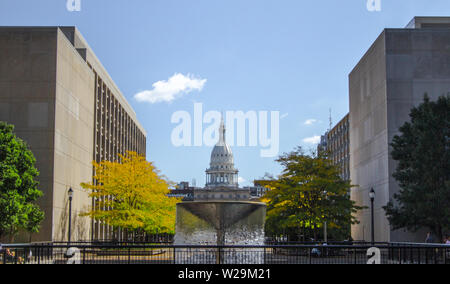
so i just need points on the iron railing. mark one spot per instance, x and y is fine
(394, 253)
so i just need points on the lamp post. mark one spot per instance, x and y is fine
(70, 193)
(372, 199)
(325, 224)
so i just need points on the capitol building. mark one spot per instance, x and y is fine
(222, 177)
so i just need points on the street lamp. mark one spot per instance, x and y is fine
(70, 193)
(325, 224)
(372, 199)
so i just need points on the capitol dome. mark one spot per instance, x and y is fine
(221, 171)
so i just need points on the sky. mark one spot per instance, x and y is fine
(286, 56)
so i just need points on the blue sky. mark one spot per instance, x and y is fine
(287, 55)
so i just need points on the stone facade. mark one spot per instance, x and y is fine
(66, 107)
(392, 77)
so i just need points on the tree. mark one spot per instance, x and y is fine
(308, 193)
(132, 195)
(422, 151)
(18, 186)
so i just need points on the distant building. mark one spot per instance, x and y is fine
(64, 104)
(338, 145)
(337, 142)
(183, 190)
(257, 190)
(390, 79)
(323, 143)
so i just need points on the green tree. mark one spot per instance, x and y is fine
(422, 151)
(308, 193)
(18, 186)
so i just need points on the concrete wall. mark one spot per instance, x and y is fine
(368, 139)
(393, 76)
(74, 140)
(27, 100)
(46, 92)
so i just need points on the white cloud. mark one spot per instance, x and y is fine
(312, 140)
(310, 121)
(175, 87)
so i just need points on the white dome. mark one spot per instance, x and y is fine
(222, 171)
(221, 155)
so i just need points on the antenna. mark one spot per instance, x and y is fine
(331, 122)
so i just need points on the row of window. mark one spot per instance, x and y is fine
(221, 155)
(116, 133)
(221, 196)
(222, 167)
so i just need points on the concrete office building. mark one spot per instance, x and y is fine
(391, 78)
(67, 108)
(339, 146)
(337, 142)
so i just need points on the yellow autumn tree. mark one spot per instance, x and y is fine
(132, 195)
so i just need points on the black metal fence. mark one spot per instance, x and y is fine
(270, 254)
(140, 240)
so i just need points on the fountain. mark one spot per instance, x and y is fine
(220, 215)
(220, 223)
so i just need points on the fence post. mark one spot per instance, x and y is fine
(218, 257)
(435, 257)
(418, 256)
(129, 255)
(264, 255)
(37, 256)
(447, 255)
(84, 255)
(310, 256)
(411, 258)
(174, 256)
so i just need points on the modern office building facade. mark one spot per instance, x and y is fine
(63, 103)
(337, 143)
(391, 78)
